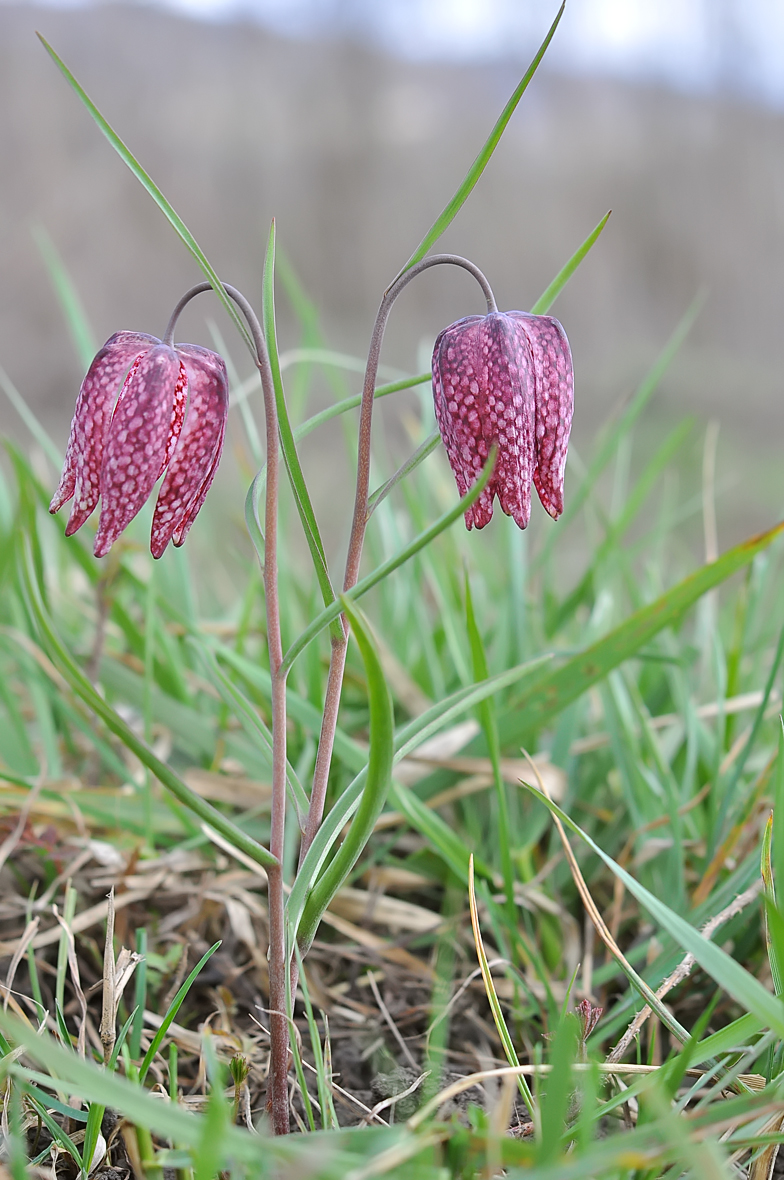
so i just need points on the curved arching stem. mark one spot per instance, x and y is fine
(337, 661)
(278, 967)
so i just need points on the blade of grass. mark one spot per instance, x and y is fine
(419, 455)
(548, 695)
(367, 583)
(492, 998)
(68, 297)
(169, 213)
(171, 1012)
(290, 456)
(724, 970)
(548, 297)
(488, 720)
(165, 775)
(447, 216)
(376, 786)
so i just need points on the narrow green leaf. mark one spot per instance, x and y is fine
(172, 217)
(382, 571)
(489, 722)
(56, 1131)
(555, 1105)
(290, 456)
(548, 297)
(406, 741)
(73, 309)
(724, 970)
(172, 1011)
(419, 455)
(448, 215)
(445, 842)
(248, 716)
(50, 449)
(773, 941)
(549, 694)
(83, 688)
(376, 786)
(778, 817)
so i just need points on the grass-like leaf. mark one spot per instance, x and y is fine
(290, 456)
(548, 695)
(549, 296)
(492, 997)
(727, 973)
(447, 216)
(372, 579)
(168, 211)
(82, 687)
(376, 782)
(172, 1011)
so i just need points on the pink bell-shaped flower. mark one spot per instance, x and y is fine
(506, 379)
(145, 407)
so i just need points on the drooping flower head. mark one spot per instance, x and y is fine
(144, 407)
(505, 378)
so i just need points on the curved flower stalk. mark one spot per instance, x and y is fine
(145, 407)
(505, 378)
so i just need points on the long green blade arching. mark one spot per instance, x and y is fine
(548, 297)
(248, 716)
(407, 739)
(168, 211)
(171, 1012)
(447, 216)
(89, 1081)
(411, 464)
(165, 775)
(489, 721)
(332, 612)
(724, 970)
(377, 780)
(290, 456)
(550, 694)
(75, 315)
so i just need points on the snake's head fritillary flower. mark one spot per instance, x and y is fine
(505, 378)
(145, 407)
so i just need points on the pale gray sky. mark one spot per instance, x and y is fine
(690, 44)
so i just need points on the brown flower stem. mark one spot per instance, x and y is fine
(337, 661)
(278, 1102)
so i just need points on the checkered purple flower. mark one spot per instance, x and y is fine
(144, 408)
(505, 378)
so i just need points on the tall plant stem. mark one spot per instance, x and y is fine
(277, 1100)
(337, 661)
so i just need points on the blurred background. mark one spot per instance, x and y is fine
(352, 122)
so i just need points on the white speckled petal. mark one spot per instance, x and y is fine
(195, 461)
(138, 440)
(554, 404)
(81, 475)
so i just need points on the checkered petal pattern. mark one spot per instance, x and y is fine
(144, 408)
(505, 379)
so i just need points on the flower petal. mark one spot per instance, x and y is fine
(195, 461)
(554, 404)
(91, 420)
(483, 386)
(137, 440)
